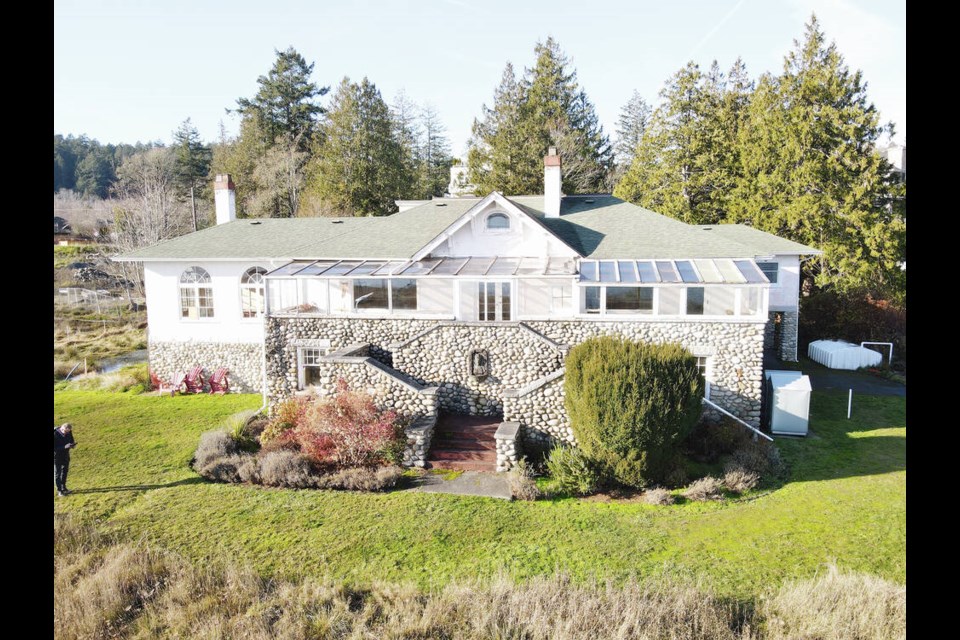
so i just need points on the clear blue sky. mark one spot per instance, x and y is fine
(128, 70)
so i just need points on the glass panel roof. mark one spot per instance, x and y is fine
(750, 271)
(504, 267)
(532, 267)
(647, 272)
(449, 266)
(290, 268)
(687, 272)
(628, 271)
(608, 271)
(367, 268)
(729, 272)
(342, 268)
(477, 266)
(667, 272)
(317, 268)
(561, 266)
(708, 270)
(390, 268)
(420, 268)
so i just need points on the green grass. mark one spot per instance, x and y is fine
(845, 502)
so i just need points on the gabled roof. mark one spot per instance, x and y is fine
(594, 226)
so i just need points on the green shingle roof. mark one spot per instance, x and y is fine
(598, 227)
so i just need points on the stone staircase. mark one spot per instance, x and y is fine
(464, 443)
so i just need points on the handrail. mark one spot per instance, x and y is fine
(890, 344)
(725, 412)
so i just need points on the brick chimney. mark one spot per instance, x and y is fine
(225, 198)
(551, 184)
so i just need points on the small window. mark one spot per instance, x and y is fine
(695, 301)
(309, 365)
(370, 294)
(251, 292)
(196, 294)
(629, 299)
(771, 270)
(560, 298)
(591, 299)
(498, 222)
(703, 364)
(403, 293)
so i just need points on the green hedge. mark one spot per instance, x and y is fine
(631, 405)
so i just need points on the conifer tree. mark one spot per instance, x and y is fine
(191, 164)
(633, 121)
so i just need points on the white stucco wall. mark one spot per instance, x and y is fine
(162, 281)
(786, 292)
(524, 238)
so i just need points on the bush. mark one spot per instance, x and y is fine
(212, 446)
(236, 426)
(631, 405)
(708, 488)
(362, 479)
(249, 469)
(349, 430)
(225, 469)
(287, 415)
(760, 457)
(572, 471)
(522, 484)
(738, 480)
(658, 496)
(286, 469)
(708, 441)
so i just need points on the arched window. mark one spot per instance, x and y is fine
(498, 222)
(196, 294)
(251, 292)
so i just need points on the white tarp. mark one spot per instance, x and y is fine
(838, 354)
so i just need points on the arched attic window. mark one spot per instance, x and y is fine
(498, 222)
(251, 292)
(196, 294)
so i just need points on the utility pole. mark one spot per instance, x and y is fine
(193, 206)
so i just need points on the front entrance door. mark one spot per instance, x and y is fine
(494, 301)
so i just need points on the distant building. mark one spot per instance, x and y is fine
(459, 183)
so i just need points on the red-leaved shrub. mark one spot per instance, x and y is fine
(348, 430)
(287, 415)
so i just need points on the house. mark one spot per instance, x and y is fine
(468, 305)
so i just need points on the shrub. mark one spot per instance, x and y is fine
(708, 441)
(761, 457)
(249, 469)
(573, 472)
(738, 479)
(286, 469)
(708, 488)
(631, 405)
(213, 445)
(223, 469)
(522, 484)
(361, 479)
(658, 496)
(349, 430)
(236, 426)
(287, 415)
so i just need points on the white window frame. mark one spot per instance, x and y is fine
(561, 299)
(192, 281)
(482, 297)
(497, 230)
(776, 281)
(246, 287)
(303, 354)
(389, 308)
(705, 365)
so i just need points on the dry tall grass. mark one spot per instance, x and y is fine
(103, 588)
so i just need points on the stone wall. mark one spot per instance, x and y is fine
(770, 332)
(509, 447)
(539, 408)
(789, 326)
(244, 361)
(440, 357)
(419, 435)
(735, 349)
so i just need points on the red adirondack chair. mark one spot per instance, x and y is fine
(165, 385)
(219, 382)
(194, 380)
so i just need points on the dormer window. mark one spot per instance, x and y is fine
(498, 222)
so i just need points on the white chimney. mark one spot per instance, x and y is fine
(551, 184)
(225, 198)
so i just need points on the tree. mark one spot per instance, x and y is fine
(435, 157)
(191, 164)
(357, 168)
(633, 121)
(409, 134)
(285, 103)
(279, 176)
(812, 172)
(682, 167)
(546, 108)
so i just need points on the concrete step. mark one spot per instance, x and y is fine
(462, 465)
(460, 454)
(471, 444)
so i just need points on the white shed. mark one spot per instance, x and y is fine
(788, 402)
(838, 354)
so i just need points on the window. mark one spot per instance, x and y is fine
(560, 298)
(370, 294)
(251, 292)
(498, 222)
(695, 301)
(404, 294)
(749, 301)
(703, 364)
(309, 361)
(629, 300)
(771, 270)
(591, 299)
(493, 301)
(196, 294)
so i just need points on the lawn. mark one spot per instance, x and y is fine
(845, 502)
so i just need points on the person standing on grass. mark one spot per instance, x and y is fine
(63, 442)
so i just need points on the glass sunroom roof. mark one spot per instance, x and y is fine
(429, 267)
(718, 270)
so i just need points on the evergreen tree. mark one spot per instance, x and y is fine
(358, 168)
(239, 157)
(285, 103)
(633, 121)
(408, 134)
(191, 165)
(547, 108)
(435, 156)
(94, 174)
(811, 171)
